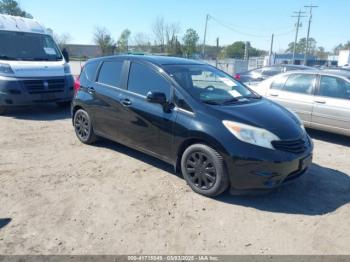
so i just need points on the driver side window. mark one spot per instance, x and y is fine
(143, 79)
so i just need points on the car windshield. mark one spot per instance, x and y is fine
(28, 47)
(208, 84)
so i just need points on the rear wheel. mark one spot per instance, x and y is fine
(204, 170)
(83, 127)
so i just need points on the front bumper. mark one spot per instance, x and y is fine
(15, 91)
(249, 175)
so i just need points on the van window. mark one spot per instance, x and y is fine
(110, 73)
(28, 47)
(334, 87)
(143, 79)
(300, 83)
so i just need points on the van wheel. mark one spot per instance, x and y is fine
(204, 170)
(2, 110)
(83, 127)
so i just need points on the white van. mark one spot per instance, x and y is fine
(32, 67)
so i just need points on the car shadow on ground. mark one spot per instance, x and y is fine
(43, 112)
(4, 222)
(322, 190)
(104, 143)
(329, 137)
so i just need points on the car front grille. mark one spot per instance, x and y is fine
(295, 146)
(44, 86)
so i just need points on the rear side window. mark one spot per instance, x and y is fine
(300, 83)
(110, 73)
(143, 79)
(278, 82)
(334, 87)
(90, 70)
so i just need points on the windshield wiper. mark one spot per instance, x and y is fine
(211, 102)
(231, 100)
(253, 96)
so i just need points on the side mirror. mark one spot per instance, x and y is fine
(65, 55)
(156, 97)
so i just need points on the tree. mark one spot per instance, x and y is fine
(174, 47)
(123, 41)
(62, 39)
(171, 31)
(237, 50)
(190, 42)
(11, 7)
(142, 42)
(103, 39)
(321, 53)
(158, 29)
(301, 46)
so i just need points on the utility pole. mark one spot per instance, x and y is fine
(271, 48)
(296, 33)
(205, 34)
(217, 51)
(308, 32)
(246, 51)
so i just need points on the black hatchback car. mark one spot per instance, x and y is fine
(213, 129)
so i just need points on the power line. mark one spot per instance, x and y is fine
(230, 27)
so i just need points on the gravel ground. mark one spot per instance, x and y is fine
(59, 196)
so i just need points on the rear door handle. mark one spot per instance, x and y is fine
(126, 102)
(273, 94)
(91, 90)
(320, 101)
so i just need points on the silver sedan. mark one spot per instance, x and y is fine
(320, 98)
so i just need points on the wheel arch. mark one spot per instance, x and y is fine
(198, 139)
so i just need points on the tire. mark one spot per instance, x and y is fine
(2, 110)
(83, 127)
(63, 104)
(204, 170)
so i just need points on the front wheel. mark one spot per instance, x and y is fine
(83, 127)
(204, 170)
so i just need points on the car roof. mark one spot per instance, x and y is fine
(158, 60)
(335, 72)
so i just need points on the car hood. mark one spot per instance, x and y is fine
(265, 114)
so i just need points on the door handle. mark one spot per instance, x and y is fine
(126, 102)
(320, 101)
(273, 94)
(91, 90)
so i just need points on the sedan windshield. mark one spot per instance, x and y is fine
(208, 84)
(28, 47)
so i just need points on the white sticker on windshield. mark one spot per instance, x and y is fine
(234, 93)
(49, 51)
(227, 81)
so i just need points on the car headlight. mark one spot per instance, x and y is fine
(66, 68)
(250, 134)
(6, 70)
